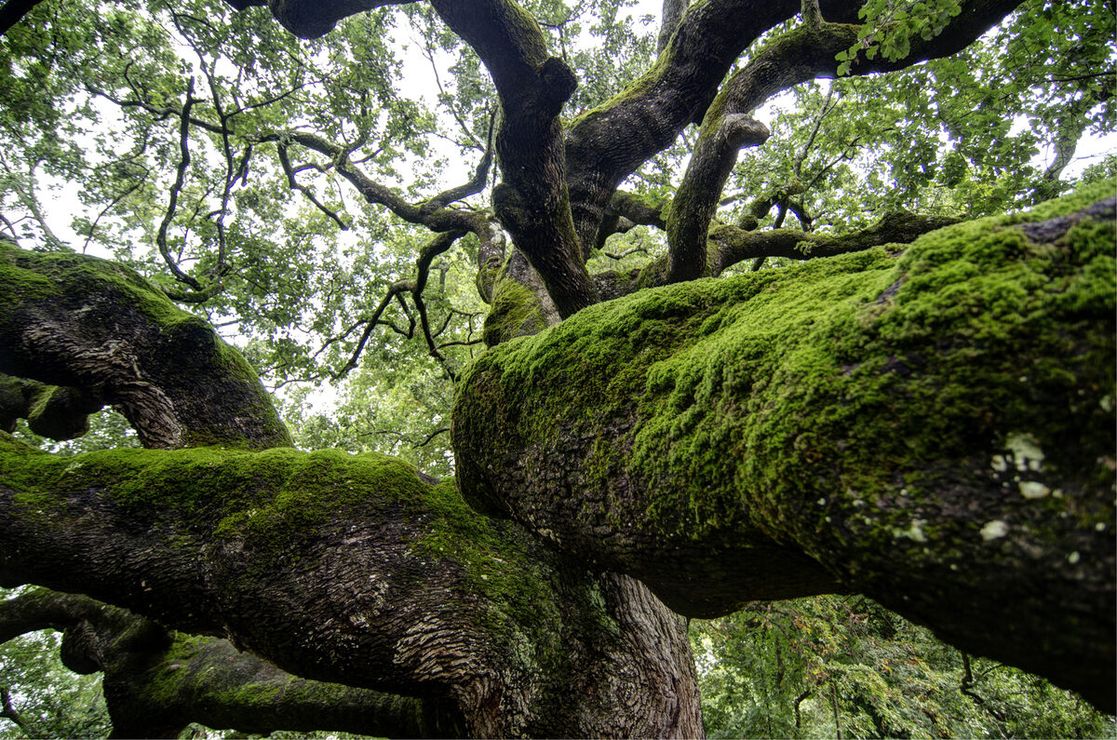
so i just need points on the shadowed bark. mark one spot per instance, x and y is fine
(90, 325)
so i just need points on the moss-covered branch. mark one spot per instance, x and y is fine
(352, 570)
(729, 245)
(157, 682)
(110, 337)
(933, 428)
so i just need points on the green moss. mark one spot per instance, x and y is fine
(230, 408)
(784, 400)
(29, 276)
(515, 312)
(641, 86)
(271, 495)
(17, 283)
(499, 560)
(274, 498)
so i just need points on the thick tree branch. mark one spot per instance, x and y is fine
(101, 330)
(532, 201)
(13, 11)
(803, 54)
(50, 411)
(255, 545)
(156, 682)
(933, 429)
(672, 12)
(696, 199)
(732, 244)
(607, 144)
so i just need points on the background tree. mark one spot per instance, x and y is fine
(929, 425)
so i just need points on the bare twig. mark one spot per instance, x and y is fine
(176, 189)
(290, 172)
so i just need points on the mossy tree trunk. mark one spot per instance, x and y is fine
(929, 427)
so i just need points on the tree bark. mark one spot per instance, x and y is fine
(100, 330)
(351, 570)
(156, 682)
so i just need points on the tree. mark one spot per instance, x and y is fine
(918, 412)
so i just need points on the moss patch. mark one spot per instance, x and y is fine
(28, 276)
(515, 312)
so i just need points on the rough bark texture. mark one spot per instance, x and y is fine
(932, 428)
(93, 326)
(351, 570)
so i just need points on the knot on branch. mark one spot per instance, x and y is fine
(558, 83)
(739, 130)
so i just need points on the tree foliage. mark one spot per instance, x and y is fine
(845, 666)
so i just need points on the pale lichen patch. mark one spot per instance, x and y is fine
(994, 530)
(999, 463)
(1033, 489)
(1026, 452)
(914, 532)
